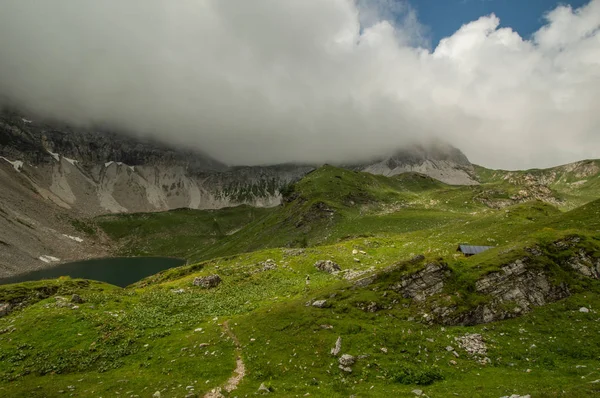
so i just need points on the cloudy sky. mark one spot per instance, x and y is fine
(253, 82)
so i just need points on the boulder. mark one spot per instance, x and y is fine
(263, 389)
(472, 343)
(320, 303)
(268, 265)
(5, 309)
(327, 266)
(346, 360)
(62, 302)
(207, 282)
(335, 351)
(75, 298)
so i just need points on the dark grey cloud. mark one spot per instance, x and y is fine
(269, 81)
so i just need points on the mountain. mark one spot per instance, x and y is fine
(344, 283)
(436, 159)
(378, 303)
(53, 175)
(95, 172)
(56, 177)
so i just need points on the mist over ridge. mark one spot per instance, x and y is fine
(308, 81)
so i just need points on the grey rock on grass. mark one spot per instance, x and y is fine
(207, 282)
(347, 360)
(327, 266)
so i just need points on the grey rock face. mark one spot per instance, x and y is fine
(515, 289)
(207, 282)
(327, 266)
(36, 140)
(96, 172)
(520, 284)
(437, 160)
(424, 283)
(585, 265)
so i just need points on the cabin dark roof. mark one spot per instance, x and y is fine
(469, 249)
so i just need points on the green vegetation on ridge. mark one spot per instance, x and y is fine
(166, 334)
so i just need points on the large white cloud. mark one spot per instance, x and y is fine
(267, 81)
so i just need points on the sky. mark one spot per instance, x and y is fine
(513, 84)
(444, 17)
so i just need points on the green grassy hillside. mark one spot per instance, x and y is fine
(332, 204)
(175, 233)
(402, 303)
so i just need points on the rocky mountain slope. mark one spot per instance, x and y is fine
(567, 186)
(53, 175)
(95, 172)
(438, 160)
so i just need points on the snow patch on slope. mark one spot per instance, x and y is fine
(17, 164)
(72, 161)
(56, 156)
(75, 238)
(107, 165)
(49, 259)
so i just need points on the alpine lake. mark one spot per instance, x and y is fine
(119, 271)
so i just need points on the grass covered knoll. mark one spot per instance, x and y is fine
(165, 334)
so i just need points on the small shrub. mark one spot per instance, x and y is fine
(405, 374)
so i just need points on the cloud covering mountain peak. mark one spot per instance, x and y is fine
(273, 81)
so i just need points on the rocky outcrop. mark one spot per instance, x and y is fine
(539, 184)
(517, 287)
(207, 282)
(5, 309)
(585, 265)
(514, 290)
(327, 266)
(424, 283)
